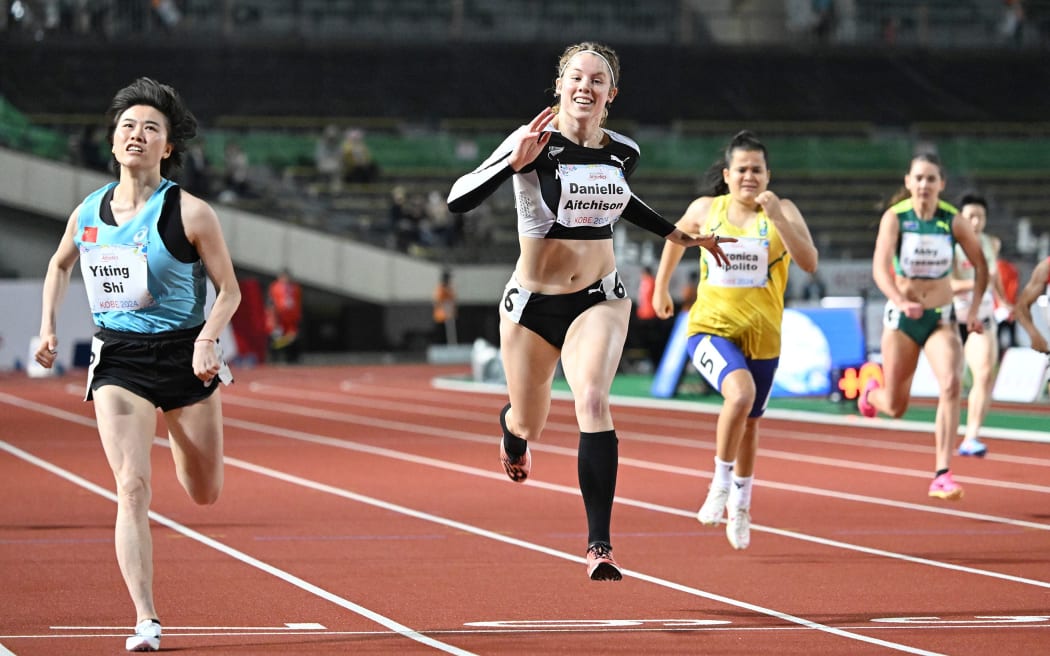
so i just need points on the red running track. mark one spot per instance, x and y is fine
(365, 512)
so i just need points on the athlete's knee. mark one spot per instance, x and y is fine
(133, 490)
(592, 403)
(739, 401)
(951, 388)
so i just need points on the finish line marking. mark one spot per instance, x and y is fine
(578, 626)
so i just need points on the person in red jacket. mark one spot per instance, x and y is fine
(284, 313)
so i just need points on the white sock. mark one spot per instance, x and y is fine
(723, 473)
(740, 492)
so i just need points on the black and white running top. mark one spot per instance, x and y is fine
(567, 192)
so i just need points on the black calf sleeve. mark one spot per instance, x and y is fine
(596, 465)
(512, 444)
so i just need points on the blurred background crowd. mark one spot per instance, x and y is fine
(352, 117)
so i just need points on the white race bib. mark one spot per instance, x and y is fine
(748, 264)
(115, 278)
(925, 256)
(592, 195)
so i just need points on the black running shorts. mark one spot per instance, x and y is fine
(158, 367)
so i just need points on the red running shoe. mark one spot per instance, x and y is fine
(600, 563)
(517, 468)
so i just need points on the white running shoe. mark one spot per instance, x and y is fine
(714, 506)
(146, 638)
(738, 528)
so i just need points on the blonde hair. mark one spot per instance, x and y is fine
(607, 54)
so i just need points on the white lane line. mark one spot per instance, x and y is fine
(495, 628)
(688, 422)
(382, 620)
(456, 525)
(480, 532)
(564, 489)
(462, 435)
(488, 439)
(461, 385)
(336, 415)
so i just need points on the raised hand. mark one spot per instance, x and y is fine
(532, 138)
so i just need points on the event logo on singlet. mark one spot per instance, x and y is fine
(748, 264)
(115, 277)
(593, 195)
(925, 256)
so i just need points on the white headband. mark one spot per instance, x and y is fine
(600, 56)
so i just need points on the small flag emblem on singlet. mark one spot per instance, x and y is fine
(90, 234)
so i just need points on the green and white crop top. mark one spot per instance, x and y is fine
(925, 247)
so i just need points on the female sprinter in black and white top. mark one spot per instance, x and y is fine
(565, 299)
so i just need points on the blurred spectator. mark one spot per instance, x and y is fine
(235, 180)
(814, 289)
(92, 148)
(824, 19)
(196, 175)
(167, 12)
(688, 292)
(1007, 329)
(649, 329)
(440, 223)
(445, 310)
(1012, 27)
(404, 223)
(358, 164)
(328, 158)
(284, 312)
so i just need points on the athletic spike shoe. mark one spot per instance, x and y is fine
(738, 528)
(974, 447)
(600, 563)
(866, 408)
(517, 468)
(943, 487)
(714, 506)
(146, 638)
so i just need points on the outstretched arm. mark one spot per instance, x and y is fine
(690, 222)
(516, 152)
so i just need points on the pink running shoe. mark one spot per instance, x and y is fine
(943, 487)
(600, 563)
(867, 409)
(517, 468)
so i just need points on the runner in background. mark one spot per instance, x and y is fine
(980, 349)
(914, 255)
(735, 323)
